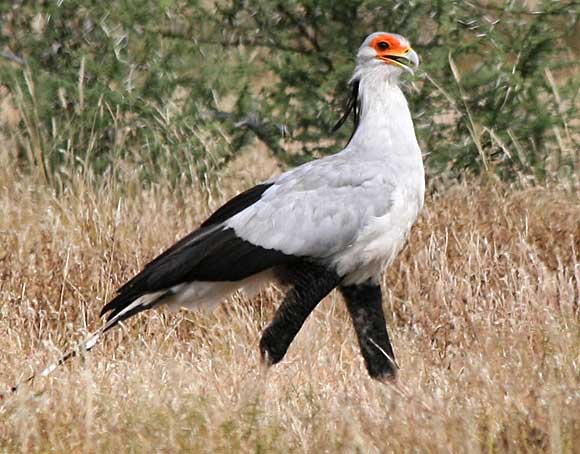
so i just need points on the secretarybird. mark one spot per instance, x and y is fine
(338, 221)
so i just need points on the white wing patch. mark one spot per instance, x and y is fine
(208, 295)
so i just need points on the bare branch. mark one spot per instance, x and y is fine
(9, 55)
(236, 42)
(266, 132)
(307, 35)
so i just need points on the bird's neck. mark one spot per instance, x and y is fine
(385, 127)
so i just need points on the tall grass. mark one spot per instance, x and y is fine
(482, 305)
(186, 86)
(96, 178)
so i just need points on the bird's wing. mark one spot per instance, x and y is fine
(310, 212)
(211, 253)
(318, 209)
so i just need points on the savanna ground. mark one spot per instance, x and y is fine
(482, 306)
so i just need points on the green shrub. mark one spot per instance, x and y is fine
(184, 86)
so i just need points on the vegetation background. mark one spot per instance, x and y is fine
(123, 124)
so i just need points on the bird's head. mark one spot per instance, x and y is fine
(382, 56)
(388, 53)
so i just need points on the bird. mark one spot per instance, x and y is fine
(335, 222)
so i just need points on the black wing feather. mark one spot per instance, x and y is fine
(210, 253)
(222, 214)
(237, 204)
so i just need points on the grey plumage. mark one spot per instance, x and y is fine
(317, 209)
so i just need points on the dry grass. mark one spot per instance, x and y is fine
(482, 305)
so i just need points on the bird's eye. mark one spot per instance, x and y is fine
(383, 45)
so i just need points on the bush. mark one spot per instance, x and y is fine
(183, 86)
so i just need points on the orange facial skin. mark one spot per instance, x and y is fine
(389, 48)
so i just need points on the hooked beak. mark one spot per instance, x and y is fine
(408, 59)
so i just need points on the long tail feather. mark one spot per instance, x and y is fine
(139, 305)
(84, 346)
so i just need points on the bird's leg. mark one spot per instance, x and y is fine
(364, 304)
(311, 283)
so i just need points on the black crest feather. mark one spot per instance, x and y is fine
(352, 106)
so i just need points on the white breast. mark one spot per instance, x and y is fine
(381, 239)
(385, 132)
